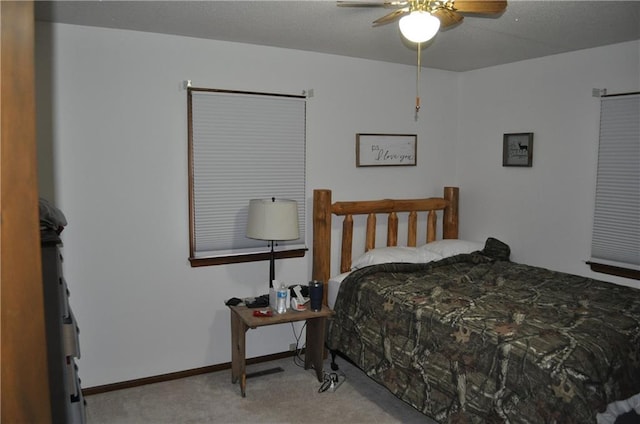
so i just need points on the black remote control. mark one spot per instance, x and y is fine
(259, 302)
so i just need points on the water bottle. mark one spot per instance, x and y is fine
(281, 299)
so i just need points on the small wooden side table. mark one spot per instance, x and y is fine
(242, 319)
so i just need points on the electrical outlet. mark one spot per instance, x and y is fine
(292, 347)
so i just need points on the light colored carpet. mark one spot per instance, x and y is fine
(285, 397)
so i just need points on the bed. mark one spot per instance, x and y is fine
(470, 336)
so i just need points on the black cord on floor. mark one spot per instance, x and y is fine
(332, 380)
(297, 357)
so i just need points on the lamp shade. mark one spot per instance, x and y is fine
(419, 26)
(273, 219)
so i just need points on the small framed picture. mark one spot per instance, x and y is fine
(517, 149)
(386, 149)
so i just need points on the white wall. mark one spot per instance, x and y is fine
(112, 152)
(544, 212)
(113, 156)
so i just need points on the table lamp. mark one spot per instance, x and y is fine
(272, 220)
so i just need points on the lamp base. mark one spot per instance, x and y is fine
(272, 267)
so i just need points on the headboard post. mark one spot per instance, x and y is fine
(322, 238)
(450, 215)
(324, 209)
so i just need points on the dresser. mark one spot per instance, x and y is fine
(63, 347)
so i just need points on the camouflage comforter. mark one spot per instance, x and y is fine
(476, 338)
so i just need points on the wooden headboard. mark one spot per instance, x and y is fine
(323, 211)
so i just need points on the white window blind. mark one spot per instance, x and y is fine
(242, 146)
(616, 226)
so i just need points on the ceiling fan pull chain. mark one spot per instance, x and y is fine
(418, 84)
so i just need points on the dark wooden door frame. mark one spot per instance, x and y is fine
(24, 380)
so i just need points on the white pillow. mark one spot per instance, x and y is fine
(383, 255)
(452, 247)
(428, 256)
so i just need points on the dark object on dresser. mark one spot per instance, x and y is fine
(67, 402)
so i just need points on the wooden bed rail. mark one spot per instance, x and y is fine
(323, 210)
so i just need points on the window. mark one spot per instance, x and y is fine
(242, 146)
(615, 247)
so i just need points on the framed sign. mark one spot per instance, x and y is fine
(517, 149)
(386, 149)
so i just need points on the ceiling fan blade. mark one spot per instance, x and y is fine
(447, 17)
(386, 4)
(390, 17)
(480, 6)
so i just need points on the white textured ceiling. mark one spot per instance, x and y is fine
(527, 29)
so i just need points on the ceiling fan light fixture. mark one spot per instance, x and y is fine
(419, 26)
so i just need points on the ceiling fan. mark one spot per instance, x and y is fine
(416, 16)
(420, 20)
